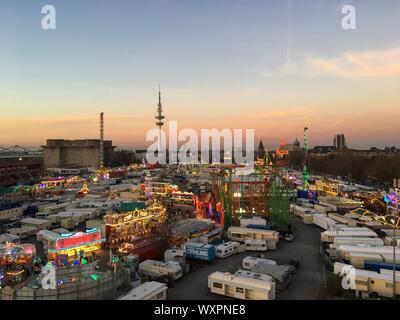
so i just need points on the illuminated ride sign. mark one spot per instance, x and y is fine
(78, 239)
(153, 211)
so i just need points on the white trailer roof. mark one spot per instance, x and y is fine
(145, 290)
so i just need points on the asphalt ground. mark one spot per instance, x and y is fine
(307, 283)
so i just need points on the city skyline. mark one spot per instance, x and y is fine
(275, 66)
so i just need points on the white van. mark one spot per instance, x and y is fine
(255, 245)
(226, 249)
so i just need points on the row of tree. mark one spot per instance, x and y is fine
(379, 170)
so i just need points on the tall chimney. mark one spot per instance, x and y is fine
(101, 140)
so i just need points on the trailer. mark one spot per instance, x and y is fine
(386, 252)
(255, 245)
(378, 265)
(301, 211)
(212, 237)
(152, 290)
(154, 269)
(242, 234)
(324, 208)
(365, 282)
(330, 236)
(244, 222)
(280, 273)
(227, 249)
(239, 287)
(373, 242)
(322, 221)
(342, 219)
(358, 259)
(250, 262)
(170, 254)
(253, 275)
(199, 251)
(257, 226)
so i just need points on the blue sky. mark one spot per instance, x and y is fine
(215, 60)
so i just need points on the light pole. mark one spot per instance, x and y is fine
(395, 223)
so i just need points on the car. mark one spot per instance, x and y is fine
(289, 237)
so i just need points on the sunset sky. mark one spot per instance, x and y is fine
(272, 65)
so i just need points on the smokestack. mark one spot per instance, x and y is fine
(101, 140)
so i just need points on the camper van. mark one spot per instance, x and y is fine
(227, 249)
(255, 245)
(250, 262)
(157, 269)
(239, 287)
(243, 234)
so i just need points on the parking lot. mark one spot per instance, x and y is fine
(307, 283)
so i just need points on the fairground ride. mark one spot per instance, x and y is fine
(263, 192)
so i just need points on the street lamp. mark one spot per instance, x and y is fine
(395, 222)
(394, 257)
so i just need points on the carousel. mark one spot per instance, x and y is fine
(16, 261)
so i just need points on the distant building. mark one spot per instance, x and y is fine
(388, 152)
(68, 154)
(322, 149)
(261, 151)
(339, 141)
(19, 165)
(295, 146)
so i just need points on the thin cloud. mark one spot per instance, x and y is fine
(351, 64)
(374, 63)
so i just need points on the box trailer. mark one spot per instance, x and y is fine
(367, 282)
(385, 252)
(322, 221)
(358, 259)
(307, 218)
(378, 265)
(330, 236)
(342, 219)
(373, 242)
(199, 251)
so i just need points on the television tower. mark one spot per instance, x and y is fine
(159, 117)
(101, 141)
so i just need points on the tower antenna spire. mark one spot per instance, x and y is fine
(159, 116)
